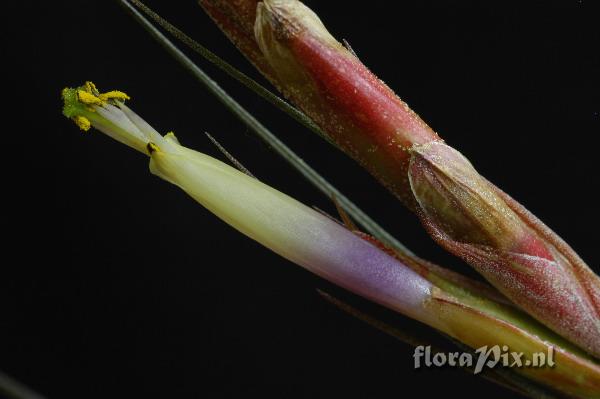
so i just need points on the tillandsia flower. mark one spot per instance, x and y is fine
(328, 249)
(277, 221)
(463, 212)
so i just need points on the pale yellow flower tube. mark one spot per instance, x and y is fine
(275, 220)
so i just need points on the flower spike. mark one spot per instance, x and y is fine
(461, 210)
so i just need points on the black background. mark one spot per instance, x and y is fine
(115, 284)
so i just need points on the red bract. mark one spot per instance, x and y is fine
(468, 216)
(356, 109)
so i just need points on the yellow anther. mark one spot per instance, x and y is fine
(90, 87)
(88, 98)
(83, 122)
(151, 147)
(88, 94)
(114, 95)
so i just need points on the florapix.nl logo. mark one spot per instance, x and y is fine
(485, 356)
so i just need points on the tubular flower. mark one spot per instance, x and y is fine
(462, 211)
(275, 220)
(328, 249)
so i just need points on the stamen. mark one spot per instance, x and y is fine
(151, 147)
(114, 95)
(83, 122)
(87, 98)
